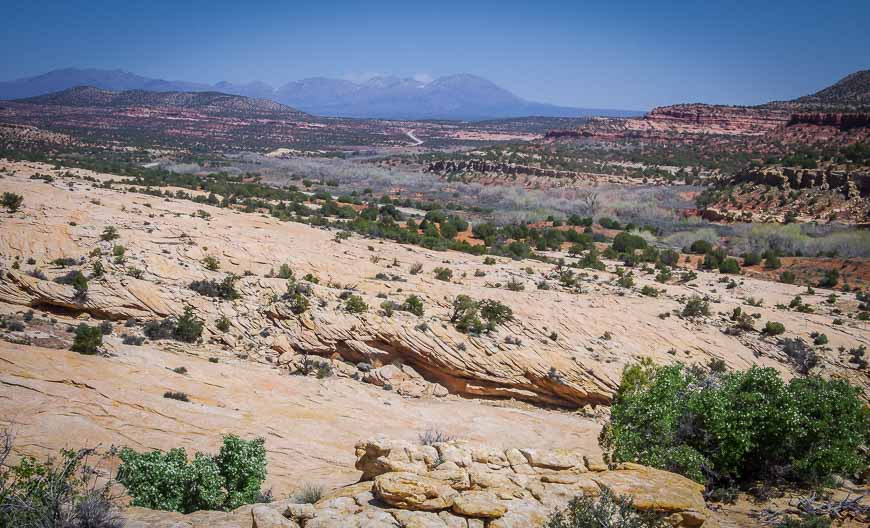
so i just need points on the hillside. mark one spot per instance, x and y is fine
(849, 94)
(211, 102)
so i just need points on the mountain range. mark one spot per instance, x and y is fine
(461, 96)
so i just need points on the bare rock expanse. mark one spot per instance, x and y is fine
(542, 381)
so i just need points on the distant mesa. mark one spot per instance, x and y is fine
(457, 97)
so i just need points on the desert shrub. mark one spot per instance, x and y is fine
(60, 492)
(11, 201)
(729, 265)
(695, 307)
(168, 481)
(700, 247)
(308, 494)
(771, 260)
(433, 436)
(787, 277)
(285, 271)
(607, 510)
(819, 339)
(78, 281)
(211, 263)
(297, 296)
(355, 304)
(180, 396)
(626, 242)
(773, 328)
(413, 304)
(88, 339)
(133, 340)
(225, 289)
(829, 279)
(489, 261)
(443, 274)
(223, 324)
(800, 354)
(416, 268)
(478, 317)
(669, 257)
(741, 426)
(106, 328)
(515, 285)
(751, 259)
(187, 328)
(625, 281)
(109, 233)
(649, 291)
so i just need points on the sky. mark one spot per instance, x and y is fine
(603, 54)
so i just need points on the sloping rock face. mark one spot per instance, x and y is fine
(459, 485)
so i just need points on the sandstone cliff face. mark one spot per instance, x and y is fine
(852, 184)
(455, 484)
(737, 119)
(838, 120)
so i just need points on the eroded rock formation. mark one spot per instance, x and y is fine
(455, 484)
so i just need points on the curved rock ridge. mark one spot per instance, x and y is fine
(455, 484)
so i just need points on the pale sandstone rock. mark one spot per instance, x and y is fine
(414, 492)
(478, 504)
(552, 459)
(265, 517)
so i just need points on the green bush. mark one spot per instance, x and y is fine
(88, 339)
(729, 265)
(187, 328)
(225, 289)
(695, 307)
(626, 242)
(700, 247)
(443, 274)
(740, 426)
(109, 233)
(414, 305)
(355, 304)
(59, 492)
(607, 510)
(168, 481)
(478, 317)
(787, 277)
(11, 201)
(773, 328)
(211, 263)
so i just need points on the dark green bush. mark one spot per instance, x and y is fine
(700, 247)
(11, 201)
(225, 289)
(773, 328)
(187, 328)
(478, 317)
(88, 339)
(414, 305)
(740, 426)
(355, 304)
(729, 265)
(168, 481)
(626, 242)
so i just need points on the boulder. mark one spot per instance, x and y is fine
(410, 491)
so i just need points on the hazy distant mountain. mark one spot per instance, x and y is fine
(460, 96)
(210, 102)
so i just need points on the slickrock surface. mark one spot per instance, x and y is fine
(457, 484)
(542, 380)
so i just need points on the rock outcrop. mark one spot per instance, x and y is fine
(455, 484)
(852, 184)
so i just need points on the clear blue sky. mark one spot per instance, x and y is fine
(633, 55)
